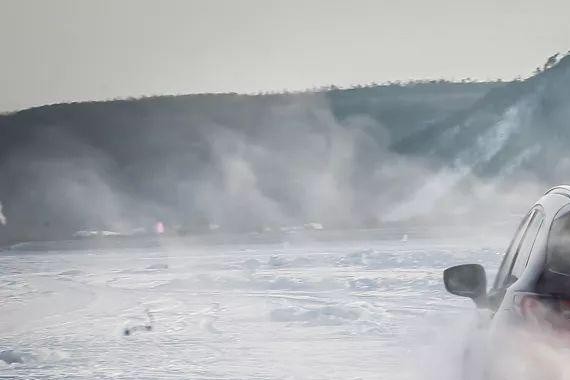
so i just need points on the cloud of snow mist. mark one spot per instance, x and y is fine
(306, 165)
(301, 167)
(481, 179)
(468, 349)
(538, 349)
(291, 162)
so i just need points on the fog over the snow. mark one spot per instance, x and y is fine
(359, 158)
(284, 235)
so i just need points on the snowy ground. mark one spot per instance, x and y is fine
(335, 310)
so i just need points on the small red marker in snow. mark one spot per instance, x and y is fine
(159, 228)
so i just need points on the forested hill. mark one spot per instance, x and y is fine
(238, 161)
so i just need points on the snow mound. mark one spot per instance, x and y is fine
(285, 283)
(159, 266)
(251, 264)
(11, 356)
(363, 284)
(276, 261)
(325, 315)
(358, 258)
(73, 272)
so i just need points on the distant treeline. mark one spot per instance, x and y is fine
(238, 161)
(340, 158)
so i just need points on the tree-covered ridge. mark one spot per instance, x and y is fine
(337, 157)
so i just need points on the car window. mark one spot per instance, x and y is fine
(506, 265)
(558, 246)
(526, 245)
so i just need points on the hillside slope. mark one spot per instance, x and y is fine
(513, 142)
(239, 161)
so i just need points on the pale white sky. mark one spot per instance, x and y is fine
(69, 50)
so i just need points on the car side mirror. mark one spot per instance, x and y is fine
(468, 280)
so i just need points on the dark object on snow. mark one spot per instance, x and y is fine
(129, 331)
(148, 327)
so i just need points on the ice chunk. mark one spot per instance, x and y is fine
(11, 356)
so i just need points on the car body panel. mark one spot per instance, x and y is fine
(501, 313)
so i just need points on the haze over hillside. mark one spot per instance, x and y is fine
(513, 141)
(342, 158)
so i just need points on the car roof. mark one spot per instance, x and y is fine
(560, 189)
(555, 199)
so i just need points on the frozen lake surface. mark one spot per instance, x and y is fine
(335, 310)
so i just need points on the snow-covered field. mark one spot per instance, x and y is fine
(314, 310)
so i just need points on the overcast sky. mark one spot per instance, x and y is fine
(58, 51)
